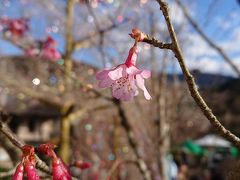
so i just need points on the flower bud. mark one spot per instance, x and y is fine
(18, 175)
(60, 170)
(30, 170)
(138, 35)
(82, 165)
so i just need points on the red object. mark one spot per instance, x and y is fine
(47, 149)
(125, 79)
(82, 165)
(30, 169)
(27, 165)
(18, 175)
(137, 35)
(17, 27)
(60, 170)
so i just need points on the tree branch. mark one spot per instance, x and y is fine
(132, 142)
(191, 82)
(207, 39)
(18, 143)
(69, 38)
(79, 43)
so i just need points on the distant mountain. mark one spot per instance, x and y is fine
(207, 80)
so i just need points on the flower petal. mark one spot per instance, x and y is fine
(146, 74)
(133, 70)
(60, 170)
(123, 94)
(117, 93)
(18, 175)
(116, 73)
(140, 84)
(102, 74)
(105, 83)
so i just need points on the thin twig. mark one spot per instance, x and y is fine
(132, 142)
(77, 44)
(157, 43)
(220, 51)
(18, 143)
(191, 82)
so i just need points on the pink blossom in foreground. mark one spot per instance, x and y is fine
(125, 79)
(18, 175)
(27, 165)
(59, 168)
(29, 168)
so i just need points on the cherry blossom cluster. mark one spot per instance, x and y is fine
(46, 49)
(27, 166)
(14, 27)
(126, 78)
(15, 30)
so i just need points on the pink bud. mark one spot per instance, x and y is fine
(30, 170)
(47, 149)
(82, 165)
(137, 35)
(60, 170)
(28, 150)
(18, 175)
(49, 43)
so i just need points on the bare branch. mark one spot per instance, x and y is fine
(132, 142)
(83, 42)
(69, 38)
(191, 82)
(18, 143)
(207, 39)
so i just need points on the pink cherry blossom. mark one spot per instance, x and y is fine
(30, 169)
(60, 170)
(46, 49)
(17, 27)
(49, 49)
(32, 52)
(27, 165)
(18, 175)
(125, 79)
(51, 53)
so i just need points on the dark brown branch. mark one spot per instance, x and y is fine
(157, 43)
(191, 82)
(18, 143)
(10, 148)
(207, 39)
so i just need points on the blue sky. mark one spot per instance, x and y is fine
(218, 19)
